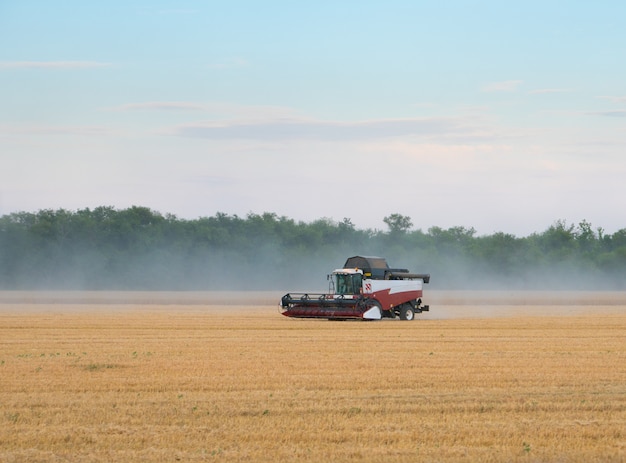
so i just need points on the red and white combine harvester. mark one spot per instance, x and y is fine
(364, 288)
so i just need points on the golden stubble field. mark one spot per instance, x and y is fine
(223, 377)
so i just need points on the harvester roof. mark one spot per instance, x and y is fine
(366, 263)
(373, 267)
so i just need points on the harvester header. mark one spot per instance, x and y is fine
(364, 288)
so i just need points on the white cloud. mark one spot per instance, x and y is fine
(52, 64)
(611, 113)
(252, 112)
(85, 130)
(614, 99)
(218, 110)
(310, 129)
(542, 91)
(503, 86)
(160, 106)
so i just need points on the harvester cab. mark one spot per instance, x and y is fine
(346, 281)
(365, 288)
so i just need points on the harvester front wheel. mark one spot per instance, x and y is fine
(406, 312)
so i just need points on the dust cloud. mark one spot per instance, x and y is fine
(444, 305)
(269, 268)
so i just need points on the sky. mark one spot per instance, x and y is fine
(504, 116)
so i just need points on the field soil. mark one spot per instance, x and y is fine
(222, 376)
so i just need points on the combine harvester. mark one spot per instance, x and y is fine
(365, 288)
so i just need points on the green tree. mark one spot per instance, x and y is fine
(138, 248)
(398, 223)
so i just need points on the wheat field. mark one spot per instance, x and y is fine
(208, 377)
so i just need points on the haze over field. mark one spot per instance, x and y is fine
(493, 115)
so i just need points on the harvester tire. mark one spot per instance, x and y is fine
(406, 312)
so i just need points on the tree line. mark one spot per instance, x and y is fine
(141, 249)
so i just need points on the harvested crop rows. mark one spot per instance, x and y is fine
(193, 382)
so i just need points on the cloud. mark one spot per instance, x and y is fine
(613, 113)
(503, 86)
(252, 112)
(217, 110)
(160, 106)
(86, 130)
(614, 99)
(542, 91)
(52, 64)
(308, 129)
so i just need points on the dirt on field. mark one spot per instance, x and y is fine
(222, 376)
